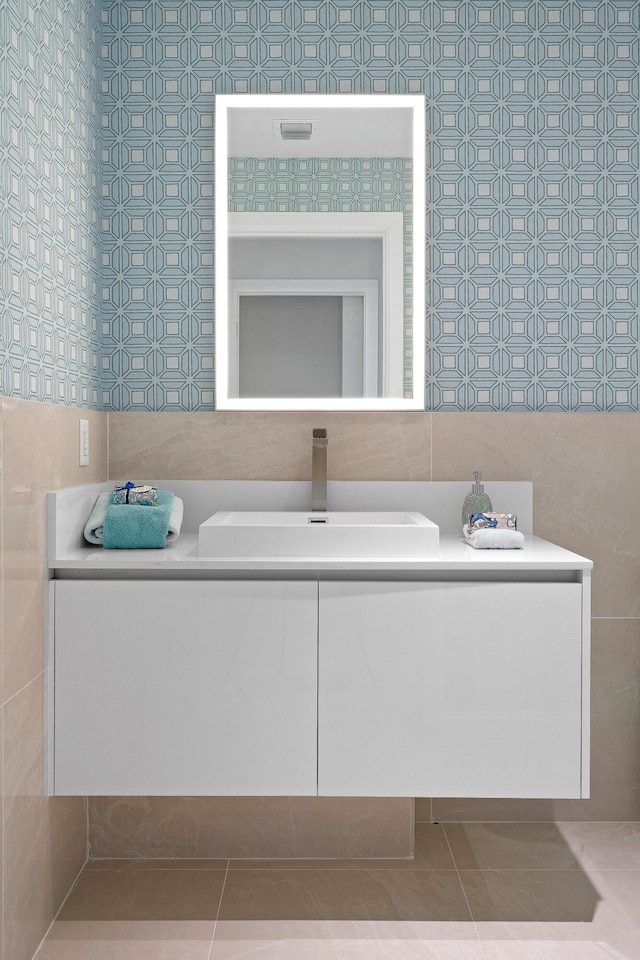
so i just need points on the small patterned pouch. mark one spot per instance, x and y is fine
(493, 521)
(144, 495)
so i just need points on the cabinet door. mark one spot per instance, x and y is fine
(185, 688)
(450, 689)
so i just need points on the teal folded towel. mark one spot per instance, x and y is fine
(130, 526)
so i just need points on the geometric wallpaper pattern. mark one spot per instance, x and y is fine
(331, 185)
(532, 112)
(532, 115)
(49, 324)
(320, 184)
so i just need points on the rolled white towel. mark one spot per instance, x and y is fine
(493, 539)
(94, 527)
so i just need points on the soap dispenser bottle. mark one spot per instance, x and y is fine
(476, 501)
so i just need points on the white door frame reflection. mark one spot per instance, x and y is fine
(382, 360)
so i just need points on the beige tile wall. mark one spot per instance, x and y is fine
(268, 446)
(250, 827)
(43, 840)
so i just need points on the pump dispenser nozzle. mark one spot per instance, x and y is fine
(477, 487)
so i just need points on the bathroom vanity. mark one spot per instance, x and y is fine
(460, 674)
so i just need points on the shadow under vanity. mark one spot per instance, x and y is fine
(463, 674)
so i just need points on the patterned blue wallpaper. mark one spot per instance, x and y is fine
(532, 108)
(49, 72)
(320, 184)
(532, 220)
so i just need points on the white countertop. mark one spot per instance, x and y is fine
(70, 556)
(455, 555)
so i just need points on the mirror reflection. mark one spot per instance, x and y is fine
(319, 252)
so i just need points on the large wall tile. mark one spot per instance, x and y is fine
(43, 839)
(498, 444)
(39, 454)
(31, 467)
(249, 827)
(28, 894)
(585, 485)
(268, 446)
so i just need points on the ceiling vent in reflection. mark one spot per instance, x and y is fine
(296, 129)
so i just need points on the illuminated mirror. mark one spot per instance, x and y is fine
(319, 240)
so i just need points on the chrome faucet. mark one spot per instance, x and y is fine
(319, 469)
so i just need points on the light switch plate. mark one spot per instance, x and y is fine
(83, 443)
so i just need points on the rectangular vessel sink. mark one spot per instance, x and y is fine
(332, 535)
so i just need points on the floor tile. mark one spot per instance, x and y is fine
(504, 846)
(431, 853)
(145, 895)
(549, 950)
(521, 891)
(530, 896)
(343, 895)
(127, 940)
(552, 906)
(337, 944)
(604, 846)
(423, 930)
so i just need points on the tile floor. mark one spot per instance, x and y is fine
(475, 891)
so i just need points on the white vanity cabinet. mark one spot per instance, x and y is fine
(328, 687)
(462, 689)
(185, 688)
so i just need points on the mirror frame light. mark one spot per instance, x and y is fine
(225, 103)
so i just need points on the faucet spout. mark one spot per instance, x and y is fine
(319, 469)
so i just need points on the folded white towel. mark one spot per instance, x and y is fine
(94, 527)
(493, 539)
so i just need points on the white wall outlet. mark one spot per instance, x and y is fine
(83, 443)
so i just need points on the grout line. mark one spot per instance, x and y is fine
(412, 827)
(577, 869)
(615, 618)
(23, 688)
(464, 892)
(58, 911)
(509, 820)
(215, 922)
